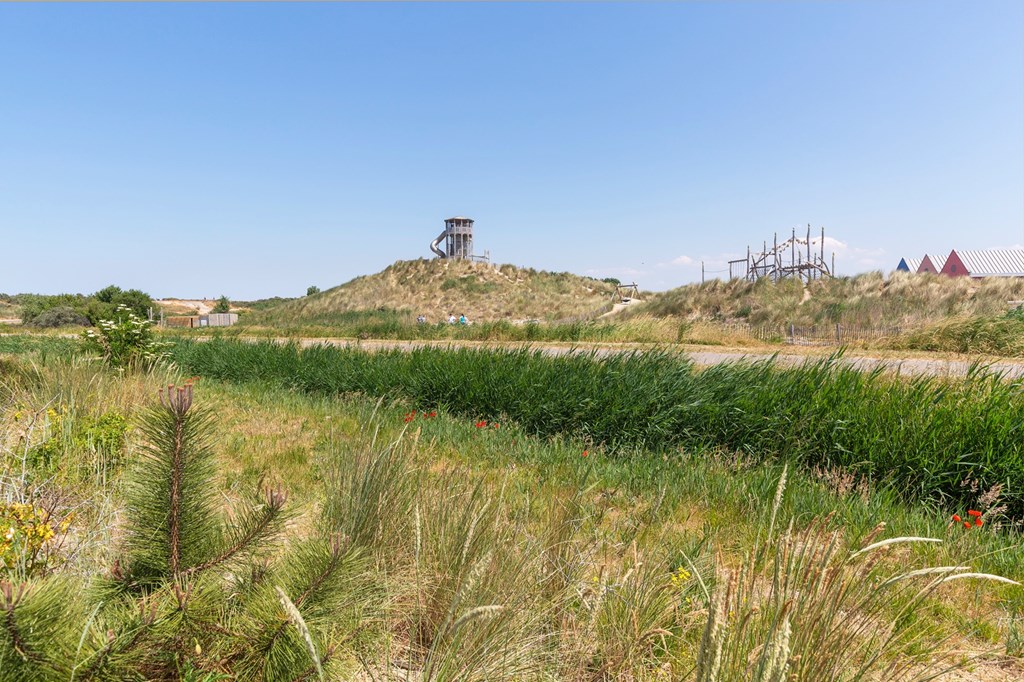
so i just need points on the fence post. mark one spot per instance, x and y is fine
(838, 334)
(792, 335)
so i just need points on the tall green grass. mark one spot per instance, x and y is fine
(401, 325)
(926, 435)
(19, 344)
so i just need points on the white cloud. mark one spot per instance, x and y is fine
(835, 245)
(682, 260)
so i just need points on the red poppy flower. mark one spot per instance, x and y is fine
(956, 517)
(585, 453)
(975, 514)
(978, 522)
(494, 425)
(967, 525)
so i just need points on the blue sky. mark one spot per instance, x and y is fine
(255, 149)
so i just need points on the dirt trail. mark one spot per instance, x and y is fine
(203, 306)
(618, 308)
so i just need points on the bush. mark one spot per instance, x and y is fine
(61, 316)
(312, 290)
(34, 305)
(26, 532)
(102, 305)
(126, 342)
(223, 305)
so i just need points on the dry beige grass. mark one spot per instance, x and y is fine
(867, 300)
(9, 313)
(435, 288)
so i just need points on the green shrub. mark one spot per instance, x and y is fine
(126, 341)
(102, 305)
(60, 316)
(34, 305)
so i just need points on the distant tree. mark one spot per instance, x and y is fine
(614, 281)
(104, 303)
(312, 290)
(223, 305)
(107, 294)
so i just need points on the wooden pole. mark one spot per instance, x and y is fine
(775, 257)
(792, 249)
(808, 277)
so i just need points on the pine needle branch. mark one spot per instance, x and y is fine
(312, 671)
(259, 527)
(314, 585)
(146, 618)
(178, 406)
(12, 596)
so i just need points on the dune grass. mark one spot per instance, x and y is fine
(995, 336)
(866, 300)
(436, 288)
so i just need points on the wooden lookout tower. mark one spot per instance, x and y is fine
(457, 238)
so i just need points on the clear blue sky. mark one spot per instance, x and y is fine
(253, 150)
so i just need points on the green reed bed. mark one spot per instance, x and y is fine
(398, 326)
(18, 344)
(925, 436)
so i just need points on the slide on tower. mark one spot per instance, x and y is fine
(433, 245)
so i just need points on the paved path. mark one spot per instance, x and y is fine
(901, 366)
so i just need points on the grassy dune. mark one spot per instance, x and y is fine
(866, 300)
(903, 312)
(435, 288)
